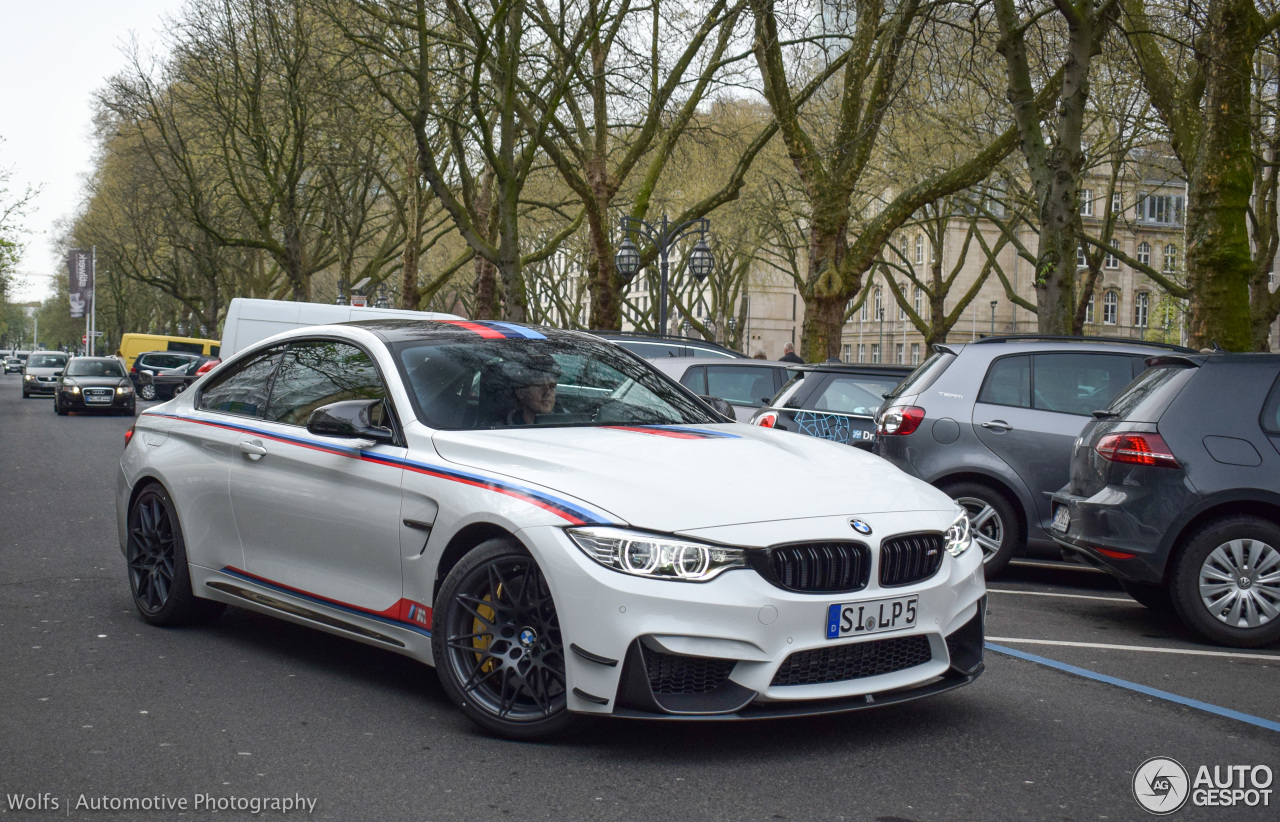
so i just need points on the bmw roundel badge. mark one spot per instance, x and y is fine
(860, 526)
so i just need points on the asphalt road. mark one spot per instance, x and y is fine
(96, 703)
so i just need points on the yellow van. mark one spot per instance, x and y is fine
(131, 345)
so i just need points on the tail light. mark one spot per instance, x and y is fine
(767, 420)
(128, 435)
(900, 420)
(207, 367)
(1137, 449)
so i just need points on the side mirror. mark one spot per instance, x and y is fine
(350, 419)
(720, 406)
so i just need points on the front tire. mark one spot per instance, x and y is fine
(147, 392)
(57, 406)
(993, 522)
(1225, 584)
(497, 643)
(159, 577)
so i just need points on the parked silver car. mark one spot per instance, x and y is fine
(993, 423)
(745, 384)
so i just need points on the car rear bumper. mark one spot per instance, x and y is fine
(1113, 530)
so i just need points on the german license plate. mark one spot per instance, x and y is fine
(1062, 518)
(876, 616)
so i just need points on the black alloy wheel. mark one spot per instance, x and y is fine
(497, 643)
(158, 574)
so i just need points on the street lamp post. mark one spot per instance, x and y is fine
(880, 345)
(663, 235)
(993, 316)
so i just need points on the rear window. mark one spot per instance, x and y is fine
(742, 385)
(188, 347)
(1146, 398)
(924, 375)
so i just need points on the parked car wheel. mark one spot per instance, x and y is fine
(147, 391)
(993, 522)
(1156, 597)
(158, 574)
(497, 643)
(1226, 582)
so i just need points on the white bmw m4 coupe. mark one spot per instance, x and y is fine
(552, 524)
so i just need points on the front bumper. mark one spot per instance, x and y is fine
(77, 402)
(39, 387)
(730, 636)
(1117, 519)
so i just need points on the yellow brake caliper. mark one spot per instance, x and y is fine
(484, 635)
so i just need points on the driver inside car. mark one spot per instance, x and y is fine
(532, 382)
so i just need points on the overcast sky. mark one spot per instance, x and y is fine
(55, 56)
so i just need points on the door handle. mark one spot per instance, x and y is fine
(997, 425)
(254, 448)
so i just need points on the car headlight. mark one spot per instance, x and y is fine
(29, 377)
(125, 387)
(656, 556)
(959, 537)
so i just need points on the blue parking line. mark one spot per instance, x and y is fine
(1142, 689)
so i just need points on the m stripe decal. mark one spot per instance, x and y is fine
(675, 432)
(404, 614)
(571, 513)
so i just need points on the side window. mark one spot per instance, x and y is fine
(1008, 382)
(695, 379)
(244, 389)
(1271, 411)
(1080, 383)
(744, 386)
(319, 372)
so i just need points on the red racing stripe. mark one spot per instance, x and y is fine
(487, 333)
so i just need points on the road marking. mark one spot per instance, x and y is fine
(1064, 596)
(1268, 724)
(1105, 647)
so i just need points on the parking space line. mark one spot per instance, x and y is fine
(1064, 596)
(1142, 689)
(1148, 648)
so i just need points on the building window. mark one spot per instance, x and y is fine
(1113, 262)
(899, 359)
(1141, 308)
(1088, 310)
(848, 352)
(1170, 258)
(919, 248)
(915, 353)
(875, 352)
(863, 313)
(1081, 260)
(862, 352)
(879, 305)
(1110, 307)
(906, 248)
(1117, 202)
(1164, 209)
(902, 312)
(1144, 253)
(918, 299)
(1086, 202)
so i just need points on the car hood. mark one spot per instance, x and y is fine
(96, 382)
(680, 478)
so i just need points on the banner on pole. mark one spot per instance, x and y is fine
(80, 270)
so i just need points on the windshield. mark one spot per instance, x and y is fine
(513, 383)
(95, 368)
(46, 361)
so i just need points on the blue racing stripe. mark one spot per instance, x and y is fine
(702, 432)
(519, 330)
(1142, 689)
(327, 603)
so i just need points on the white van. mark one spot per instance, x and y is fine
(249, 321)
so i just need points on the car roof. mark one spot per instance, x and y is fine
(1018, 343)
(892, 370)
(397, 330)
(646, 336)
(719, 361)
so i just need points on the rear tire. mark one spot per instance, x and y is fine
(992, 520)
(497, 644)
(1225, 583)
(1152, 595)
(159, 576)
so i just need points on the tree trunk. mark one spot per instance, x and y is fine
(824, 293)
(409, 293)
(1219, 259)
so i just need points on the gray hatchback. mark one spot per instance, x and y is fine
(992, 423)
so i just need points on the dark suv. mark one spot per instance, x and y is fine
(153, 362)
(1175, 489)
(992, 424)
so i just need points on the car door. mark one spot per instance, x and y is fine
(320, 515)
(1032, 407)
